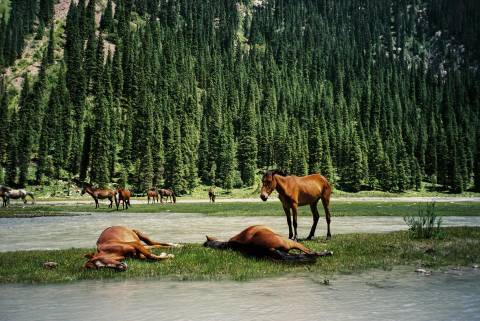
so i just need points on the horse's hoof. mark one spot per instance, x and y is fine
(121, 267)
(329, 237)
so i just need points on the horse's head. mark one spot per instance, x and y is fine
(102, 260)
(213, 242)
(269, 183)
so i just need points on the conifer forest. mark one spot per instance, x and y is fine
(373, 94)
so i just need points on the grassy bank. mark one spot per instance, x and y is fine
(352, 252)
(270, 208)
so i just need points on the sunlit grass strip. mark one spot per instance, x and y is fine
(352, 252)
(270, 208)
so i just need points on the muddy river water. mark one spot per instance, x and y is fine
(395, 295)
(83, 230)
(400, 294)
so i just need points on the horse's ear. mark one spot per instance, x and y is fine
(211, 238)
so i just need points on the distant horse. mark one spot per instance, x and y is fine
(3, 190)
(261, 241)
(211, 195)
(16, 194)
(99, 193)
(152, 194)
(122, 195)
(118, 242)
(166, 192)
(295, 191)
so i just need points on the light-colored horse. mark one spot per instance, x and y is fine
(16, 194)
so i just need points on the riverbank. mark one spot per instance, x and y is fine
(269, 208)
(459, 246)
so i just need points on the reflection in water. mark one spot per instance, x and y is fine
(395, 295)
(83, 231)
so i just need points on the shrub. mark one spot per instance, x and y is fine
(426, 224)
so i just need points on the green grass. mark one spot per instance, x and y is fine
(269, 208)
(352, 253)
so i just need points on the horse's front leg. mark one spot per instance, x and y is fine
(295, 214)
(289, 221)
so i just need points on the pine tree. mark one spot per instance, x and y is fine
(106, 21)
(247, 143)
(51, 45)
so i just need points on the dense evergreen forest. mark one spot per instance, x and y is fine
(374, 94)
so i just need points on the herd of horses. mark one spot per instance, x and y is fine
(117, 243)
(123, 195)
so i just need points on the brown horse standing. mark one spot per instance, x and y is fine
(99, 193)
(118, 242)
(152, 194)
(122, 195)
(3, 190)
(166, 192)
(295, 191)
(211, 195)
(259, 240)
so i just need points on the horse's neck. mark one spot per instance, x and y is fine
(218, 244)
(90, 190)
(281, 184)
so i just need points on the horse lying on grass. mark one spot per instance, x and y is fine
(118, 242)
(261, 241)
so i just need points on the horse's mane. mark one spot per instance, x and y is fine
(276, 172)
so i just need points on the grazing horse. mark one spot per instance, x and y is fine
(261, 241)
(152, 194)
(295, 191)
(3, 190)
(122, 195)
(118, 242)
(16, 194)
(166, 192)
(211, 195)
(99, 193)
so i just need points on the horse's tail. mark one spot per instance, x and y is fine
(294, 258)
(31, 195)
(174, 197)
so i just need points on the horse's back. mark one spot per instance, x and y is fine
(117, 233)
(258, 240)
(310, 187)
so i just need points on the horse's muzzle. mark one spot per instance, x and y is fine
(264, 197)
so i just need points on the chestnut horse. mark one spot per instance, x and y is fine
(16, 194)
(118, 242)
(152, 194)
(3, 190)
(122, 195)
(166, 192)
(261, 241)
(99, 193)
(211, 195)
(295, 191)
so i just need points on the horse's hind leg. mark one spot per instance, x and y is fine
(316, 216)
(325, 203)
(149, 241)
